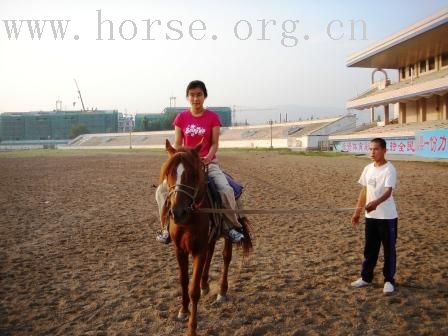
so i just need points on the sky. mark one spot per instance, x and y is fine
(260, 57)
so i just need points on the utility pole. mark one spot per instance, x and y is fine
(172, 99)
(59, 104)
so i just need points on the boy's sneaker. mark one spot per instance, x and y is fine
(359, 283)
(388, 288)
(235, 235)
(163, 237)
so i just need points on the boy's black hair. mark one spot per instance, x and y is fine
(380, 141)
(196, 84)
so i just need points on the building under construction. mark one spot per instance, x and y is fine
(56, 125)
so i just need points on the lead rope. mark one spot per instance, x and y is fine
(271, 211)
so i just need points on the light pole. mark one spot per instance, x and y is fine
(172, 99)
(131, 124)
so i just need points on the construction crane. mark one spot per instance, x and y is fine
(237, 108)
(80, 97)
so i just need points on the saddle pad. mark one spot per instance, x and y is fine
(237, 188)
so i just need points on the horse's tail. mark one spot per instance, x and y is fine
(246, 243)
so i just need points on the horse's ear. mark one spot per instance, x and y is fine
(198, 147)
(170, 149)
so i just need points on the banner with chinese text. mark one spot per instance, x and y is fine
(432, 143)
(405, 145)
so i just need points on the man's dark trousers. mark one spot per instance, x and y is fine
(377, 232)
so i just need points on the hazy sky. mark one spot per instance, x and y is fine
(138, 71)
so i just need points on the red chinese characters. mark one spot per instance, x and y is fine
(410, 146)
(442, 145)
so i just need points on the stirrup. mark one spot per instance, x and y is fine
(163, 237)
(235, 236)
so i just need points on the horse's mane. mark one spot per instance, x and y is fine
(188, 158)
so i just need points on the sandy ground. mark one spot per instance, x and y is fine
(78, 255)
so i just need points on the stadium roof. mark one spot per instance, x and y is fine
(419, 41)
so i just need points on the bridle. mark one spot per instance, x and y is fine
(191, 192)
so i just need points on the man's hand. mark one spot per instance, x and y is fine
(371, 206)
(374, 204)
(355, 218)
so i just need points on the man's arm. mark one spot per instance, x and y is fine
(359, 206)
(374, 204)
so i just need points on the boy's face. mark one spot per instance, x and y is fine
(377, 153)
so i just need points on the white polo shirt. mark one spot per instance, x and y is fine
(377, 179)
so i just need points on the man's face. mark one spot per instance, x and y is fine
(377, 153)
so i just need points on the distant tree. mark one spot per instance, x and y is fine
(166, 123)
(145, 124)
(154, 125)
(77, 130)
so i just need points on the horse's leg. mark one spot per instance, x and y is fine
(205, 287)
(227, 257)
(182, 260)
(195, 291)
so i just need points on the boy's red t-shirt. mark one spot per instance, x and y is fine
(194, 129)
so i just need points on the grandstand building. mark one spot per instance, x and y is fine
(419, 54)
(299, 135)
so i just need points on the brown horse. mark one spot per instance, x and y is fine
(190, 229)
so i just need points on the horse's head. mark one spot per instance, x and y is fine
(184, 175)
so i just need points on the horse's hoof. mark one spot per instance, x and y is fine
(221, 299)
(182, 317)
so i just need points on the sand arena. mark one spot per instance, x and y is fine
(78, 254)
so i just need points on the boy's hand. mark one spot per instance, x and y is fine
(355, 218)
(371, 206)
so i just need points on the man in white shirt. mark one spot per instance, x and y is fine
(378, 181)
